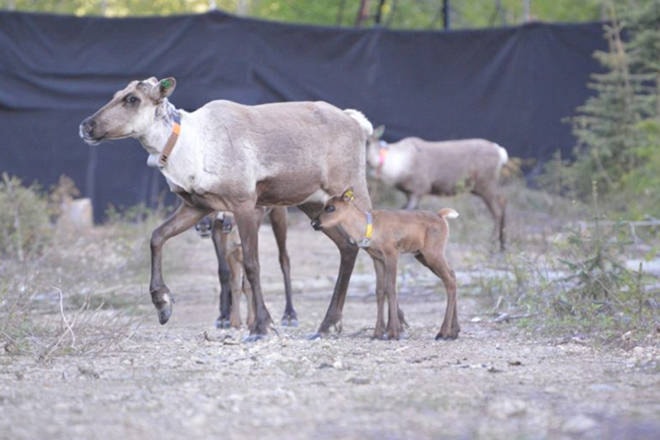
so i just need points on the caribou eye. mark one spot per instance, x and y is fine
(131, 99)
(330, 208)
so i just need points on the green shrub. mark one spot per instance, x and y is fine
(25, 227)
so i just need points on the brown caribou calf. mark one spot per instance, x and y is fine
(227, 243)
(230, 242)
(385, 235)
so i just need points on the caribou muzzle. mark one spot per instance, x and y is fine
(86, 131)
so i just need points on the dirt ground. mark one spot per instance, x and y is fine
(188, 380)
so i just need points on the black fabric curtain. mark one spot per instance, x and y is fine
(511, 85)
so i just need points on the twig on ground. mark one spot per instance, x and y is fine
(505, 317)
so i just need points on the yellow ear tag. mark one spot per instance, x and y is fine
(349, 195)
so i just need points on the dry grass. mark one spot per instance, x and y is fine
(75, 296)
(79, 294)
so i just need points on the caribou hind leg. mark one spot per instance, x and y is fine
(278, 222)
(248, 229)
(183, 218)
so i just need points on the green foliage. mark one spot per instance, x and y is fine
(115, 8)
(25, 228)
(640, 184)
(606, 127)
(597, 294)
(616, 129)
(398, 14)
(600, 295)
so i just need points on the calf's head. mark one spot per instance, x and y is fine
(337, 211)
(130, 113)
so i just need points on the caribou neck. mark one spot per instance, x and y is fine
(155, 138)
(376, 152)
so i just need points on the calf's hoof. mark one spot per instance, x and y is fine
(446, 337)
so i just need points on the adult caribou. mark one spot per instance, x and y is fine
(226, 156)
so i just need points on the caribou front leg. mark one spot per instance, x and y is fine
(183, 218)
(348, 254)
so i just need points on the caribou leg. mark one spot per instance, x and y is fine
(278, 222)
(183, 218)
(248, 229)
(348, 254)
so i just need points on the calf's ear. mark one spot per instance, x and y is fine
(348, 195)
(378, 131)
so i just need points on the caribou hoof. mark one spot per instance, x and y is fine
(254, 338)
(222, 323)
(163, 301)
(164, 313)
(314, 336)
(448, 337)
(289, 321)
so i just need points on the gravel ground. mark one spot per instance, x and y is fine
(189, 380)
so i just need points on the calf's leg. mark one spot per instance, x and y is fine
(379, 330)
(393, 323)
(439, 266)
(237, 285)
(224, 274)
(182, 219)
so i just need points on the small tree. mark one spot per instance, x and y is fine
(612, 126)
(644, 49)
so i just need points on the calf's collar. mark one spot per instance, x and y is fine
(368, 233)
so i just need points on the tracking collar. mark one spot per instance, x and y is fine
(171, 141)
(366, 241)
(382, 154)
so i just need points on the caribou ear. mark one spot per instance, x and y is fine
(166, 86)
(378, 131)
(348, 195)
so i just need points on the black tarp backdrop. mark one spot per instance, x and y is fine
(510, 85)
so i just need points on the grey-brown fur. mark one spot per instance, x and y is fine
(233, 157)
(421, 233)
(418, 167)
